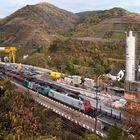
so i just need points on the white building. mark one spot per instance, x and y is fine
(116, 74)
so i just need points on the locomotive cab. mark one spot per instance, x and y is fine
(87, 105)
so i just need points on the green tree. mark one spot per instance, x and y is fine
(99, 69)
(55, 46)
(36, 59)
(115, 133)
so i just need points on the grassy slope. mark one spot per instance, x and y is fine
(101, 23)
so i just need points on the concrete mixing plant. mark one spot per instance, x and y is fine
(132, 87)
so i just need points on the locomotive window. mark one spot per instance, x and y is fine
(73, 96)
(87, 103)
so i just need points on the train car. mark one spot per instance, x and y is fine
(14, 75)
(28, 71)
(36, 87)
(83, 105)
(26, 83)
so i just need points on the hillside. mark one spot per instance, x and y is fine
(107, 24)
(33, 26)
(90, 42)
(97, 44)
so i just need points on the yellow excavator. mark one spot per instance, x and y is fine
(10, 53)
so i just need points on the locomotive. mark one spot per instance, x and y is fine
(66, 98)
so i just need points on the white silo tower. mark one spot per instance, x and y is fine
(130, 57)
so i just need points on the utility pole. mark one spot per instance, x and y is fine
(96, 96)
(61, 69)
(96, 91)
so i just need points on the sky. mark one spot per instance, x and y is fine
(7, 7)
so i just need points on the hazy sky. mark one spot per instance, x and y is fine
(9, 6)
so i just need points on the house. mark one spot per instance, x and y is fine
(116, 74)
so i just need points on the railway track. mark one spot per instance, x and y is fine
(75, 90)
(65, 89)
(71, 114)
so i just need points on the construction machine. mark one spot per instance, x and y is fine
(10, 53)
